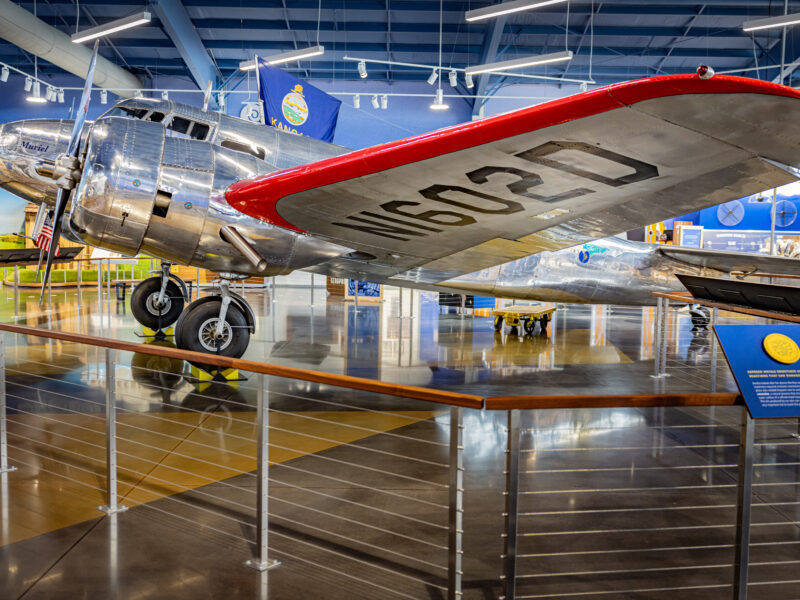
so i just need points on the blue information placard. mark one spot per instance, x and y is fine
(765, 360)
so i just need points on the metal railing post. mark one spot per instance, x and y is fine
(657, 336)
(272, 294)
(455, 570)
(312, 290)
(16, 291)
(111, 506)
(511, 512)
(743, 506)
(262, 562)
(4, 468)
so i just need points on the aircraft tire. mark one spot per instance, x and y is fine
(143, 303)
(194, 327)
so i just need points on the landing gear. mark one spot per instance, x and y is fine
(158, 302)
(217, 324)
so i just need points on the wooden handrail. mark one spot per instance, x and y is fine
(613, 401)
(356, 383)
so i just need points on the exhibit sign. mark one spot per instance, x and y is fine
(765, 360)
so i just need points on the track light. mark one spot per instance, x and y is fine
(50, 94)
(165, 95)
(518, 63)
(36, 93)
(781, 21)
(103, 96)
(384, 102)
(4, 74)
(285, 57)
(362, 69)
(438, 101)
(221, 101)
(60, 96)
(357, 101)
(453, 78)
(468, 81)
(375, 101)
(28, 84)
(111, 27)
(506, 8)
(433, 77)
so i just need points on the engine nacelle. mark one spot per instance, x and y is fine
(113, 204)
(142, 191)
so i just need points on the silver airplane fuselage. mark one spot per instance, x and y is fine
(154, 178)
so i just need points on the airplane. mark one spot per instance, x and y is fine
(516, 205)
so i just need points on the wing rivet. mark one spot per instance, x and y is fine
(705, 72)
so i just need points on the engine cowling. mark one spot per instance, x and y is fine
(113, 203)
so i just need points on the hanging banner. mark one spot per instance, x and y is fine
(291, 104)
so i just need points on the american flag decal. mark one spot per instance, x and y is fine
(45, 236)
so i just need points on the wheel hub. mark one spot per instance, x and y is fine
(153, 306)
(208, 335)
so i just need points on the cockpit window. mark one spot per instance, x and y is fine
(181, 127)
(143, 114)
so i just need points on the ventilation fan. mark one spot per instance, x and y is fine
(785, 213)
(730, 213)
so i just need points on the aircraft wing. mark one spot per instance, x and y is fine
(729, 262)
(461, 199)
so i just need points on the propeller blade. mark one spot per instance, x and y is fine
(72, 150)
(58, 213)
(83, 107)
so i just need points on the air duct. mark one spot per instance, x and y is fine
(33, 35)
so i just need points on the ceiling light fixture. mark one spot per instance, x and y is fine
(50, 94)
(438, 101)
(4, 74)
(36, 93)
(357, 101)
(103, 96)
(518, 63)
(506, 8)
(453, 76)
(277, 59)
(384, 102)
(111, 27)
(781, 21)
(28, 84)
(60, 96)
(433, 77)
(375, 101)
(468, 81)
(165, 95)
(362, 69)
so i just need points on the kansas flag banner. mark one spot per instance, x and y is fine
(291, 104)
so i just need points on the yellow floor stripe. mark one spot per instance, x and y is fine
(160, 454)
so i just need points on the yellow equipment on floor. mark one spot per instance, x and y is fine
(523, 316)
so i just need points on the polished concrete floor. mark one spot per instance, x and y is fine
(614, 503)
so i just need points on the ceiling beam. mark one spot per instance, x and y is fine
(179, 28)
(494, 31)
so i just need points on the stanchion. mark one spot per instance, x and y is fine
(111, 506)
(197, 277)
(455, 570)
(272, 293)
(16, 291)
(312, 290)
(511, 512)
(4, 468)
(262, 562)
(743, 506)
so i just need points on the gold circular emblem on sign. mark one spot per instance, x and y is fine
(781, 348)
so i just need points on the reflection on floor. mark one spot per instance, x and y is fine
(615, 503)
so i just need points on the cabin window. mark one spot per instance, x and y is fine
(251, 149)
